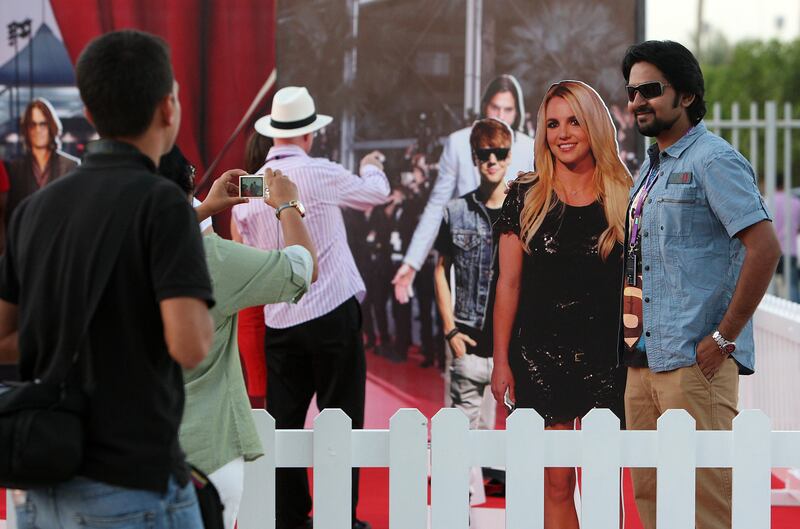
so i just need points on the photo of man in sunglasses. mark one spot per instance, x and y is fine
(467, 243)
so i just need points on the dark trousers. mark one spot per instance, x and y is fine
(432, 342)
(402, 327)
(379, 289)
(324, 356)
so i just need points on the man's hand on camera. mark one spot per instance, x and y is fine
(375, 158)
(278, 189)
(224, 194)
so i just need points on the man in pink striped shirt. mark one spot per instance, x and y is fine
(314, 346)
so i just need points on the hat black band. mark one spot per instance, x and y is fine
(288, 125)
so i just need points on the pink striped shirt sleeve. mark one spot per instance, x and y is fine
(324, 187)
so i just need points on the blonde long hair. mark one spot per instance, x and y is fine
(612, 181)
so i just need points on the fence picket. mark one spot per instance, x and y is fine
(735, 130)
(770, 151)
(677, 460)
(408, 470)
(449, 470)
(601, 470)
(717, 113)
(257, 509)
(787, 237)
(11, 511)
(333, 470)
(754, 136)
(751, 470)
(525, 470)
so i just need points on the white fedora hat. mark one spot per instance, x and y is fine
(293, 114)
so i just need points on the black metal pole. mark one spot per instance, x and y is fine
(10, 103)
(30, 60)
(16, 93)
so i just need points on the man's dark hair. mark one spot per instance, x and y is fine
(504, 83)
(175, 167)
(122, 76)
(679, 67)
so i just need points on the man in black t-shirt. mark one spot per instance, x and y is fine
(152, 317)
(467, 243)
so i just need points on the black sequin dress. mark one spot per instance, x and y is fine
(563, 350)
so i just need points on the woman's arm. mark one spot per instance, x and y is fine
(505, 312)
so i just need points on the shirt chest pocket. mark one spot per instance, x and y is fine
(676, 210)
(466, 240)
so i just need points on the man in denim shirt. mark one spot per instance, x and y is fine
(700, 253)
(466, 241)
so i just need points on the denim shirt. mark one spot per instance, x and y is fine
(705, 193)
(473, 251)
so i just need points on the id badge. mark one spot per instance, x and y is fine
(630, 268)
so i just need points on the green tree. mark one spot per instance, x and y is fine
(754, 71)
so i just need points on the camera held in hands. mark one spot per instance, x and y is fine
(251, 186)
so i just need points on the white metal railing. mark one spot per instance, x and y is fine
(777, 132)
(751, 449)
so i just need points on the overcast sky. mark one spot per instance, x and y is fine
(737, 19)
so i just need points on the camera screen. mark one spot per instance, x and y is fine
(251, 186)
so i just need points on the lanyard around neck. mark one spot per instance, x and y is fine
(652, 176)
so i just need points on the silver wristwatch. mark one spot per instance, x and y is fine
(726, 346)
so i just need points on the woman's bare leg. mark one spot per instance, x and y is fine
(559, 493)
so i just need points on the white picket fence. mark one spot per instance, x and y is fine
(675, 449)
(332, 448)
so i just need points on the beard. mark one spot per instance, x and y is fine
(655, 127)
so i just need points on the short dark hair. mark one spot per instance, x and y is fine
(175, 167)
(122, 76)
(53, 123)
(490, 132)
(679, 67)
(504, 83)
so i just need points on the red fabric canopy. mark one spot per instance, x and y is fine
(222, 53)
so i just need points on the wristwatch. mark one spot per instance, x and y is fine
(291, 204)
(726, 346)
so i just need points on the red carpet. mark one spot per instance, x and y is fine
(391, 386)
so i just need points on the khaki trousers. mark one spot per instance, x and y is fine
(713, 406)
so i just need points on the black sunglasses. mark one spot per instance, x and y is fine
(649, 90)
(500, 153)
